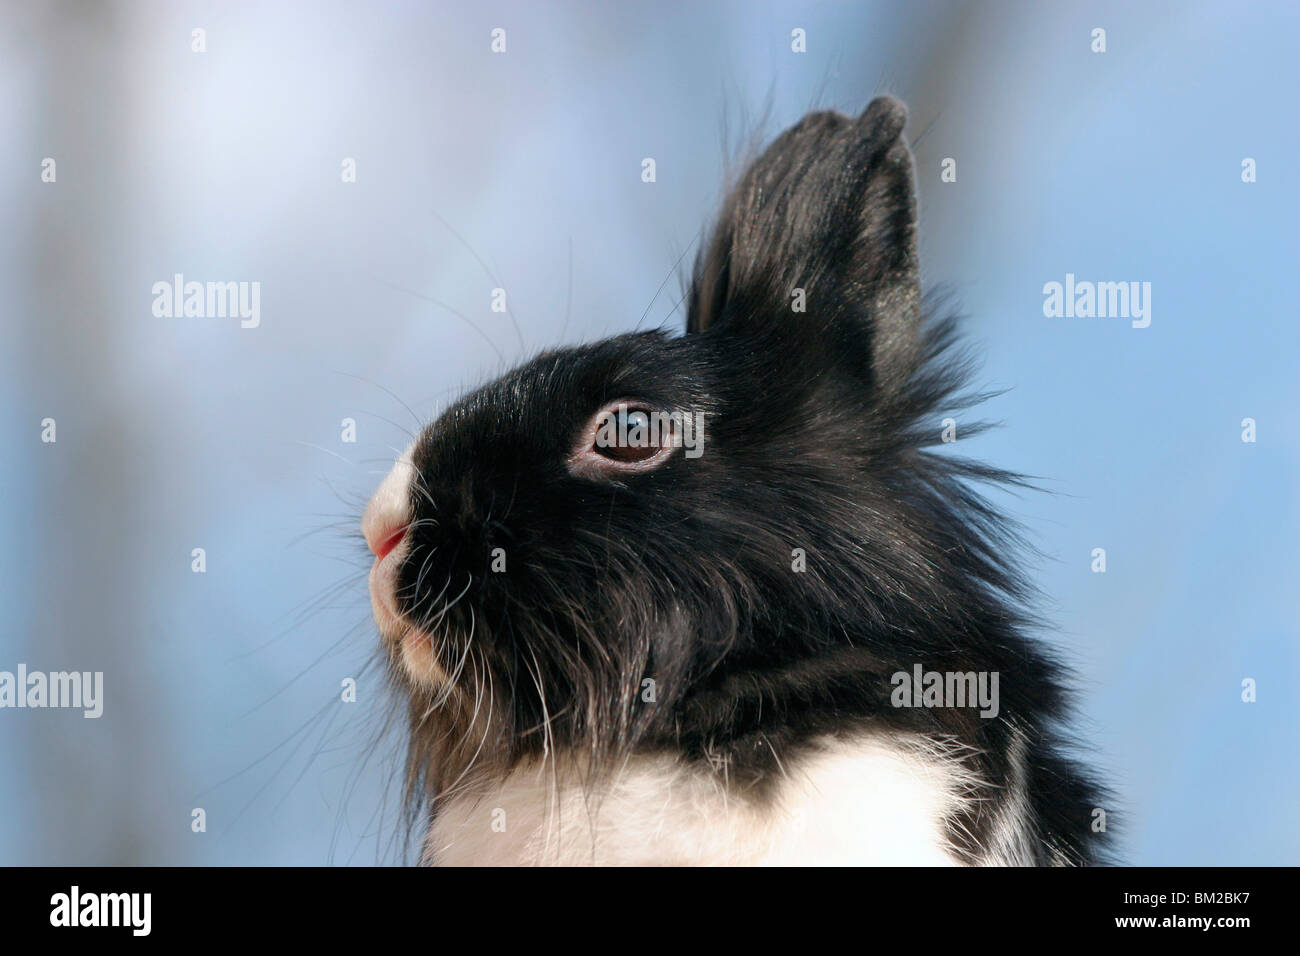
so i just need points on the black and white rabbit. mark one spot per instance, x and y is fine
(623, 647)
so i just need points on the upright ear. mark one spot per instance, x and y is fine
(828, 208)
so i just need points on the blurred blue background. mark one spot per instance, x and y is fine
(522, 170)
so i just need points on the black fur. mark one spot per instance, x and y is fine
(816, 430)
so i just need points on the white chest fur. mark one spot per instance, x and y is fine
(868, 801)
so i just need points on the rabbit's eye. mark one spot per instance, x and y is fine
(624, 438)
(631, 434)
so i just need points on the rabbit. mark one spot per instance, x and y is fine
(699, 599)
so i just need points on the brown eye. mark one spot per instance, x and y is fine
(624, 438)
(629, 434)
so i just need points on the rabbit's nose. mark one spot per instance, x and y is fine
(388, 514)
(388, 544)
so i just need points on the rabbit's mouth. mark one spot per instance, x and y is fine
(383, 591)
(404, 639)
(386, 526)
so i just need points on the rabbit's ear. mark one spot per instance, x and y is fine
(830, 209)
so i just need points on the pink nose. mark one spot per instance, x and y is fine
(388, 514)
(387, 544)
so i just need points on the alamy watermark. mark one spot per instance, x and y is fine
(130, 910)
(209, 300)
(922, 688)
(82, 690)
(1073, 299)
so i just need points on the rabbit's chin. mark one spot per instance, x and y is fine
(415, 648)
